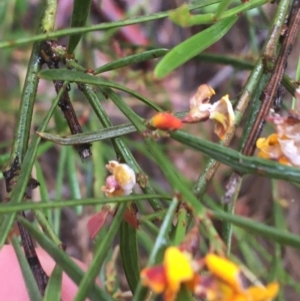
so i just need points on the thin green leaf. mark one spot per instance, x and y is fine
(106, 133)
(63, 260)
(75, 76)
(132, 59)
(22, 129)
(99, 256)
(79, 16)
(221, 7)
(60, 172)
(239, 162)
(182, 17)
(129, 254)
(9, 207)
(282, 237)
(53, 289)
(31, 285)
(3, 9)
(102, 26)
(180, 230)
(19, 190)
(192, 46)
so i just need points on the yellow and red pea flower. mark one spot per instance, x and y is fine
(167, 278)
(223, 282)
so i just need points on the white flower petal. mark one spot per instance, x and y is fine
(291, 150)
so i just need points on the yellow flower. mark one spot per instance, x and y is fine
(168, 277)
(225, 270)
(224, 283)
(255, 293)
(269, 147)
(122, 180)
(177, 267)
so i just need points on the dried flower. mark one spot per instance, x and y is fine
(284, 145)
(199, 105)
(222, 114)
(201, 109)
(270, 148)
(120, 183)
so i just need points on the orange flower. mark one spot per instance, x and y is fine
(262, 293)
(168, 277)
(164, 121)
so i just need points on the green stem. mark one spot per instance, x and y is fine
(235, 180)
(13, 208)
(102, 26)
(24, 118)
(28, 162)
(99, 256)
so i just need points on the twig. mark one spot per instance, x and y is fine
(271, 89)
(39, 274)
(52, 61)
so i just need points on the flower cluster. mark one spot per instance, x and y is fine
(223, 280)
(284, 145)
(221, 112)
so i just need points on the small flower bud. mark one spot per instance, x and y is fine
(164, 121)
